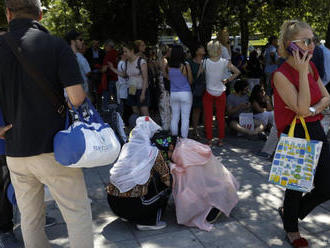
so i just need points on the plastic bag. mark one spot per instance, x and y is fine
(200, 182)
(136, 158)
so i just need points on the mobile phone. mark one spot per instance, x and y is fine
(293, 47)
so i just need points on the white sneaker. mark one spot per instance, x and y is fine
(158, 226)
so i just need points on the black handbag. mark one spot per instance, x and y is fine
(199, 84)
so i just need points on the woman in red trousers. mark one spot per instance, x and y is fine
(215, 71)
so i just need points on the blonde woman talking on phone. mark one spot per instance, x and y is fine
(298, 90)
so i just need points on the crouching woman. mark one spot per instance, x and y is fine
(140, 185)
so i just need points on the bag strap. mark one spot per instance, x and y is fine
(38, 78)
(139, 65)
(293, 125)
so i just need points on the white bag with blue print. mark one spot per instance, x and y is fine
(87, 143)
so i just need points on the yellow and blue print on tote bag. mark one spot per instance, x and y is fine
(295, 160)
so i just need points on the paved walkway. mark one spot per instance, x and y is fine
(254, 222)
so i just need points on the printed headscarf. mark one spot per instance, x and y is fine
(163, 140)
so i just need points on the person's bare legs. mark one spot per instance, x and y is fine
(258, 126)
(238, 128)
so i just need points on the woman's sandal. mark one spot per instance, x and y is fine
(298, 243)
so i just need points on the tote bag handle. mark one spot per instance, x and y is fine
(293, 125)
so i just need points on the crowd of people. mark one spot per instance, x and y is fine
(174, 88)
(255, 97)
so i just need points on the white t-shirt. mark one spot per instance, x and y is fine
(122, 82)
(134, 74)
(215, 73)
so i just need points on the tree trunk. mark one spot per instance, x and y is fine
(244, 24)
(207, 19)
(134, 28)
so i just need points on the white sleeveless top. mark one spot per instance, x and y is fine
(215, 73)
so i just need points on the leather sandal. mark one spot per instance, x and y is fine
(298, 243)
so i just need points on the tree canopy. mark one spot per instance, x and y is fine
(145, 19)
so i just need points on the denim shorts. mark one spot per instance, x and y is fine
(134, 100)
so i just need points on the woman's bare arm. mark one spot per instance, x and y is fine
(298, 102)
(325, 100)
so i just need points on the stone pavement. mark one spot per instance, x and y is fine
(254, 222)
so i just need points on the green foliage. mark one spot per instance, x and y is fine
(3, 20)
(142, 19)
(314, 12)
(59, 18)
(265, 17)
(202, 14)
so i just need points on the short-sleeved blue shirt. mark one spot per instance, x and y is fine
(270, 65)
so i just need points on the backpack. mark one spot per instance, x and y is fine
(138, 65)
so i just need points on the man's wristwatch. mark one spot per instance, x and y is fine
(312, 110)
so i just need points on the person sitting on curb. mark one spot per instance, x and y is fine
(238, 103)
(262, 106)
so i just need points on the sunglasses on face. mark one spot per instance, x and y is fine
(81, 39)
(306, 41)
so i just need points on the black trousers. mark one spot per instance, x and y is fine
(6, 209)
(299, 205)
(145, 210)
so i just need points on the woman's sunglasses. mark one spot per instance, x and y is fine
(306, 41)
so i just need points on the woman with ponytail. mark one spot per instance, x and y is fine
(299, 91)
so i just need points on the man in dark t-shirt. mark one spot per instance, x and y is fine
(31, 121)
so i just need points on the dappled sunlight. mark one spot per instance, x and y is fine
(321, 218)
(255, 216)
